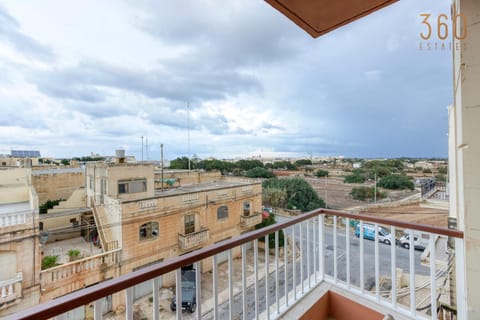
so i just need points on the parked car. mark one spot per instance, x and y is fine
(189, 292)
(420, 241)
(369, 233)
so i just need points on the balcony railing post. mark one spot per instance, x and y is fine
(294, 263)
(215, 287)
(413, 306)
(377, 264)
(129, 303)
(362, 267)
(321, 247)
(285, 265)
(347, 246)
(393, 267)
(156, 306)
(308, 255)
(460, 279)
(255, 269)
(244, 281)
(230, 283)
(433, 278)
(178, 293)
(265, 281)
(97, 309)
(302, 254)
(335, 266)
(198, 288)
(277, 273)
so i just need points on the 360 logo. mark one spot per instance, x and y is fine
(459, 26)
(440, 27)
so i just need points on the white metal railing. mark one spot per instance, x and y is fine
(11, 289)
(314, 247)
(15, 218)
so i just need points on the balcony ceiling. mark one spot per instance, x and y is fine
(318, 17)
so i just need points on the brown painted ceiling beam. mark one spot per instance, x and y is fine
(318, 17)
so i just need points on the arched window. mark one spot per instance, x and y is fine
(222, 213)
(148, 230)
(247, 208)
(189, 222)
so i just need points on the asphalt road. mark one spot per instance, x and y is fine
(402, 257)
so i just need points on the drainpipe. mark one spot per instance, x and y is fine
(452, 224)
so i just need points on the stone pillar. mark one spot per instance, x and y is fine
(466, 182)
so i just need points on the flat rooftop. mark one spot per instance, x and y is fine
(12, 207)
(204, 186)
(37, 172)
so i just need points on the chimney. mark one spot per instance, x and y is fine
(120, 154)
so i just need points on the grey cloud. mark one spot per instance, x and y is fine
(27, 46)
(227, 34)
(85, 81)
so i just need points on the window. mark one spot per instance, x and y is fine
(246, 208)
(189, 223)
(148, 230)
(222, 212)
(132, 186)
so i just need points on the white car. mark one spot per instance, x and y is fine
(420, 241)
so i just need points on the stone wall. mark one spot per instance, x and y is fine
(55, 184)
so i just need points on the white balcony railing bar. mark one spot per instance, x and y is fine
(313, 253)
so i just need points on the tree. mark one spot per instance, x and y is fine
(354, 178)
(181, 163)
(271, 237)
(395, 182)
(259, 173)
(287, 165)
(321, 173)
(303, 162)
(298, 193)
(442, 170)
(364, 193)
(274, 197)
(248, 164)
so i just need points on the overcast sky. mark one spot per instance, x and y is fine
(92, 76)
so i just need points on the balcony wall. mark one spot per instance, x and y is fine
(193, 240)
(71, 276)
(251, 220)
(10, 290)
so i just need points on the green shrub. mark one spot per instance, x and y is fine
(73, 253)
(364, 193)
(354, 178)
(259, 173)
(427, 170)
(49, 262)
(321, 173)
(49, 205)
(395, 182)
(294, 193)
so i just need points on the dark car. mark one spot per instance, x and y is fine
(189, 292)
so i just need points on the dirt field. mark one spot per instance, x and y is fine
(413, 213)
(336, 194)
